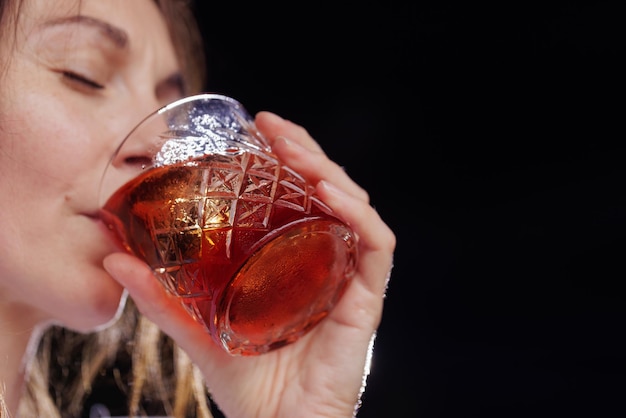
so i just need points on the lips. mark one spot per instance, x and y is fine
(95, 216)
(109, 231)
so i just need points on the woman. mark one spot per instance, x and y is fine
(75, 76)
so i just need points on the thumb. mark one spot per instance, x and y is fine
(155, 302)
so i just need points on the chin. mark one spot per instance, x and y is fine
(104, 309)
(116, 315)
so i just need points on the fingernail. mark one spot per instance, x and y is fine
(332, 188)
(288, 142)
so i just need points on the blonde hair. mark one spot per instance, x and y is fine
(3, 406)
(144, 364)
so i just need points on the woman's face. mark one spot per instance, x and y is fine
(79, 76)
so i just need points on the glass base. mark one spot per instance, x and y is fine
(286, 288)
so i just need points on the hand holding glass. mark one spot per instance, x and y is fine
(242, 240)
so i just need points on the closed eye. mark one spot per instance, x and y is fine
(74, 77)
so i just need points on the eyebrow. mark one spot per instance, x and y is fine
(116, 35)
(119, 38)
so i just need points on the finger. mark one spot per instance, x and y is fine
(271, 126)
(293, 145)
(376, 240)
(153, 301)
(316, 167)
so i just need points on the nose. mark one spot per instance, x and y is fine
(143, 141)
(135, 154)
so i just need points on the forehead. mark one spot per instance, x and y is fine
(138, 20)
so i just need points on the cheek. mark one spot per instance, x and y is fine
(41, 143)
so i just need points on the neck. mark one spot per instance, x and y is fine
(19, 336)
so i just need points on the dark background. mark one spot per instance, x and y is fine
(491, 140)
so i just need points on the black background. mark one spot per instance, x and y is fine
(491, 140)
